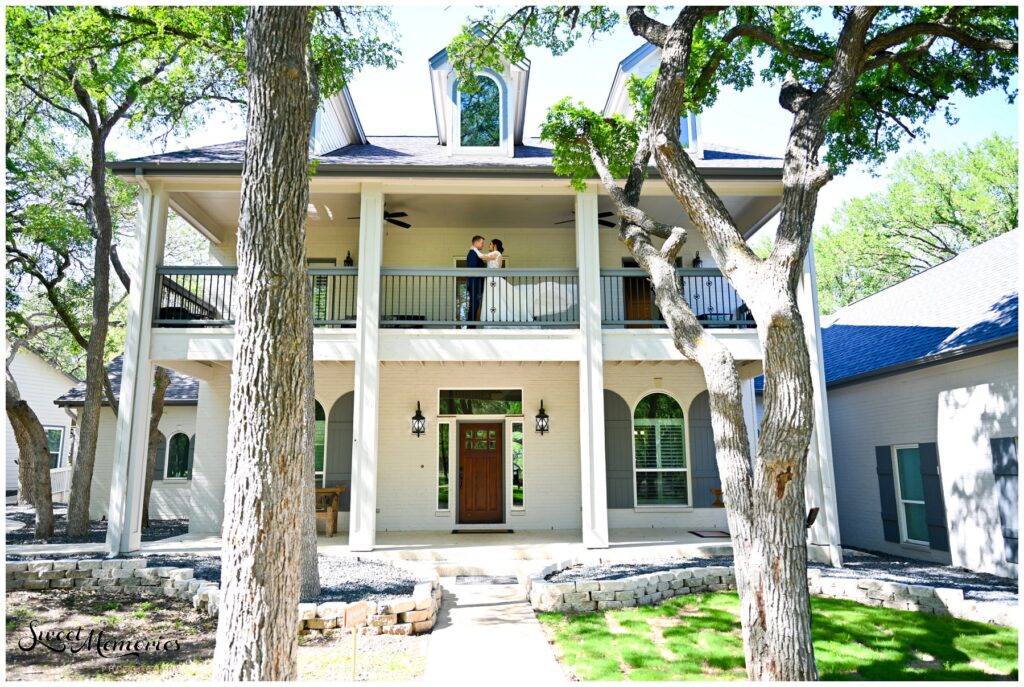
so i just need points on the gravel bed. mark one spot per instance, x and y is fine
(341, 579)
(857, 565)
(159, 529)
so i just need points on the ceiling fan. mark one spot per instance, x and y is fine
(391, 217)
(600, 219)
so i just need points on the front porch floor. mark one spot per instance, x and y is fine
(457, 554)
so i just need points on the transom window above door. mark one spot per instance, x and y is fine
(660, 467)
(480, 402)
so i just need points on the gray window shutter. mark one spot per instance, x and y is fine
(338, 450)
(1004, 467)
(191, 453)
(934, 503)
(161, 456)
(618, 451)
(703, 461)
(887, 493)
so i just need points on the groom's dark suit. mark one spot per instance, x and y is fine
(475, 285)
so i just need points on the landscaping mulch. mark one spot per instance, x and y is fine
(856, 565)
(341, 579)
(159, 529)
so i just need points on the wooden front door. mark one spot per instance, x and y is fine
(480, 468)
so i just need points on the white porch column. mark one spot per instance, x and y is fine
(750, 411)
(363, 508)
(592, 459)
(131, 440)
(823, 537)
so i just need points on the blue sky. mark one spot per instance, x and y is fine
(399, 102)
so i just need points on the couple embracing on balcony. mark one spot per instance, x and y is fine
(477, 258)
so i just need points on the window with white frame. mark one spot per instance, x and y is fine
(479, 114)
(910, 494)
(444, 430)
(176, 466)
(660, 467)
(55, 445)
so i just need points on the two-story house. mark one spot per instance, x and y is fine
(544, 395)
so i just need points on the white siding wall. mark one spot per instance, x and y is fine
(39, 384)
(902, 409)
(407, 469)
(206, 508)
(683, 381)
(169, 499)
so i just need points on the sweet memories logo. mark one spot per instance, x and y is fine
(77, 640)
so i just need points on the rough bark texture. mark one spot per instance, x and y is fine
(271, 414)
(161, 380)
(95, 370)
(33, 457)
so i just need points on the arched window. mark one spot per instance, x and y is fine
(659, 452)
(177, 457)
(480, 115)
(319, 440)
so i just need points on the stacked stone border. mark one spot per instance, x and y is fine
(582, 596)
(404, 615)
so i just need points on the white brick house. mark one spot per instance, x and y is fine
(569, 324)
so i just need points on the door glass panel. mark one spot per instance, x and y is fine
(481, 433)
(442, 466)
(517, 465)
(490, 445)
(909, 463)
(491, 434)
(480, 445)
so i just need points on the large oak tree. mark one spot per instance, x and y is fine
(856, 80)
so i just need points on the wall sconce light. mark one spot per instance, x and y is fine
(543, 424)
(419, 423)
(697, 262)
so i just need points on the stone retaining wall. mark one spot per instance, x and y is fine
(405, 615)
(642, 590)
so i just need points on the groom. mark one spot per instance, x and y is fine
(475, 285)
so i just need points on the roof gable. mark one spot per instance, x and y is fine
(183, 390)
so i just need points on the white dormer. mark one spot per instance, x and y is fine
(488, 122)
(336, 125)
(642, 62)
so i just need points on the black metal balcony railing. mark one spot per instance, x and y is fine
(415, 298)
(419, 297)
(202, 296)
(627, 299)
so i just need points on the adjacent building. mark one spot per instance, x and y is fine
(922, 393)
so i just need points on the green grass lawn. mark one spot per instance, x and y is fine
(697, 637)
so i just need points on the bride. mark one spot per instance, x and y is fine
(505, 302)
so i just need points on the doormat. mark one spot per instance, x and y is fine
(481, 531)
(485, 579)
(710, 534)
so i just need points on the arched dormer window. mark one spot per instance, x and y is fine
(661, 469)
(479, 115)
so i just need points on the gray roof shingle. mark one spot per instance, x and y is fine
(422, 152)
(183, 390)
(956, 306)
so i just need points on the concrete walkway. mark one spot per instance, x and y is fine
(487, 634)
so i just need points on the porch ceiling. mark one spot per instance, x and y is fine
(215, 213)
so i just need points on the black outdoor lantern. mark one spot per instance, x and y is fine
(419, 423)
(697, 262)
(542, 420)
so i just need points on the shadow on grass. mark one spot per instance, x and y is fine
(701, 641)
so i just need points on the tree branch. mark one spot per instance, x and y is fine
(646, 27)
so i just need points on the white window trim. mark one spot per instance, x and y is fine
(167, 457)
(632, 438)
(456, 140)
(60, 451)
(900, 501)
(437, 466)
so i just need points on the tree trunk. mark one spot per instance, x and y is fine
(33, 457)
(161, 380)
(95, 370)
(271, 414)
